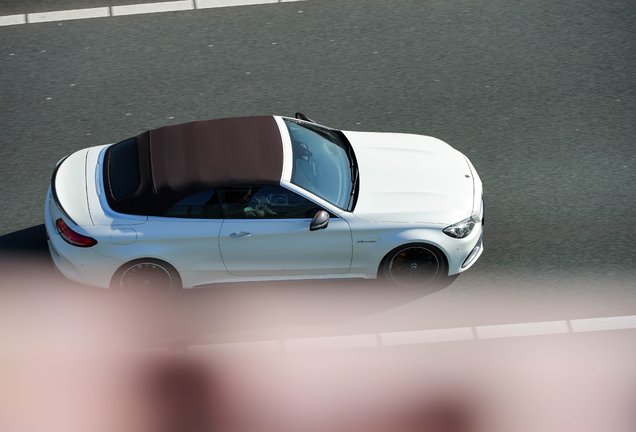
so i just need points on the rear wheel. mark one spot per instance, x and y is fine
(146, 277)
(414, 265)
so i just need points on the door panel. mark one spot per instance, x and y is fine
(189, 245)
(269, 247)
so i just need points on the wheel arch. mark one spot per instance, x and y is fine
(174, 273)
(429, 234)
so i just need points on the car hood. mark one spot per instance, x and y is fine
(411, 178)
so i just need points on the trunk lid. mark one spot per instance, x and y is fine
(69, 188)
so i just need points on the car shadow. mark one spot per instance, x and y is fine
(217, 309)
(26, 248)
(29, 242)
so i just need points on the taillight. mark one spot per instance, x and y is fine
(71, 237)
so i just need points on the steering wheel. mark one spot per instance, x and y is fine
(304, 152)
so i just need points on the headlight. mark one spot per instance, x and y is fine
(460, 229)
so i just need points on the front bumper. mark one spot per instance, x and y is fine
(463, 253)
(468, 253)
(475, 253)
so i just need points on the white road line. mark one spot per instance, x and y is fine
(524, 329)
(73, 14)
(427, 336)
(260, 347)
(206, 4)
(598, 324)
(12, 20)
(136, 9)
(329, 343)
(421, 336)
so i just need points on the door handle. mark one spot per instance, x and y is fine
(240, 234)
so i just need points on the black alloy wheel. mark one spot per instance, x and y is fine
(147, 277)
(414, 265)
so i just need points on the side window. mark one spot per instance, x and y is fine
(201, 205)
(266, 202)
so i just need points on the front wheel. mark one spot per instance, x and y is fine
(414, 265)
(146, 276)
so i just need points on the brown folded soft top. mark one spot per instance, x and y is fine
(148, 174)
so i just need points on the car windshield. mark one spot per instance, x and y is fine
(323, 163)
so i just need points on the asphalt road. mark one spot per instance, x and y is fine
(540, 95)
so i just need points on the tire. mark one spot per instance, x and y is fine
(414, 265)
(146, 276)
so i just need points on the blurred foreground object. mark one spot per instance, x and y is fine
(74, 362)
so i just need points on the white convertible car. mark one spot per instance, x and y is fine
(263, 198)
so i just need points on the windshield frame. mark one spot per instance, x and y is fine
(343, 142)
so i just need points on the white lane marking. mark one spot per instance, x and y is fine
(73, 14)
(333, 342)
(171, 6)
(524, 329)
(598, 324)
(260, 347)
(12, 20)
(422, 336)
(206, 4)
(427, 336)
(136, 9)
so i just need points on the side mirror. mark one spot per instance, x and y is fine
(320, 221)
(302, 116)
